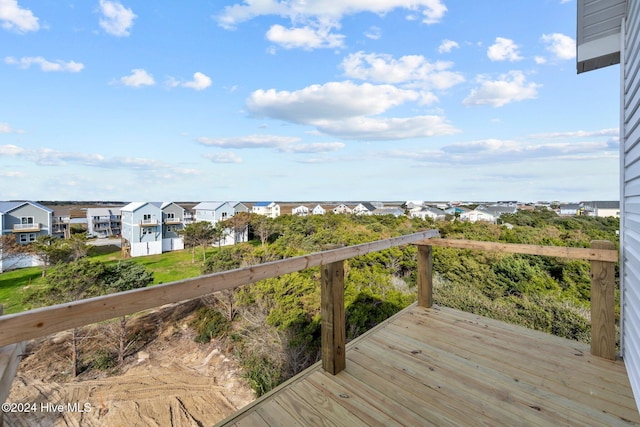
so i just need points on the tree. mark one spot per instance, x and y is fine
(50, 251)
(121, 277)
(201, 234)
(78, 247)
(239, 224)
(220, 232)
(10, 248)
(71, 282)
(263, 226)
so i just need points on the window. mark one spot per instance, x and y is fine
(147, 230)
(26, 220)
(171, 215)
(146, 217)
(224, 215)
(27, 237)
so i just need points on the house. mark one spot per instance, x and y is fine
(602, 208)
(104, 222)
(172, 226)
(487, 213)
(270, 209)
(608, 37)
(214, 212)
(389, 211)
(26, 221)
(413, 204)
(570, 209)
(364, 208)
(429, 212)
(342, 209)
(318, 210)
(301, 210)
(141, 229)
(61, 226)
(456, 210)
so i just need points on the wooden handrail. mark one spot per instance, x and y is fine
(602, 254)
(47, 320)
(591, 254)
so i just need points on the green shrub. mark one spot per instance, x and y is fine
(209, 323)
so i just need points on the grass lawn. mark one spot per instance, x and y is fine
(167, 267)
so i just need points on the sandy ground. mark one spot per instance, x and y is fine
(172, 381)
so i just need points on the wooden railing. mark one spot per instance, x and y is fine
(16, 328)
(602, 254)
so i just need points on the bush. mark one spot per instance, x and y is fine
(209, 324)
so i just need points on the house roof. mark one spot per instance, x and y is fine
(603, 204)
(570, 206)
(6, 207)
(103, 211)
(208, 206)
(260, 204)
(134, 206)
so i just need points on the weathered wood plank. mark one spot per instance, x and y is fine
(333, 317)
(44, 321)
(603, 316)
(596, 254)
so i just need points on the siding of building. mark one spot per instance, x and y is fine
(630, 197)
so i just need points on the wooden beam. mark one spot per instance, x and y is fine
(333, 317)
(603, 327)
(610, 254)
(47, 320)
(9, 361)
(425, 276)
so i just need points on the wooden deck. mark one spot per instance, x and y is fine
(444, 367)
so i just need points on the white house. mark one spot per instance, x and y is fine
(364, 209)
(487, 213)
(26, 221)
(103, 222)
(429, 212)
(270, 209)
(318, 210)
(602, 208)
(570, 209)
(608, 37)
(342, 209)
(142, 228)
(301, 210)
(214, 212)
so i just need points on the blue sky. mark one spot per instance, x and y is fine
(302, 100)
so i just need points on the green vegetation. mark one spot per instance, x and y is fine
(273, 326)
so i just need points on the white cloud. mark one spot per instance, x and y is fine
(373, 33)
(116, 19)
(503, 50)
(11, 150)
(249, 141)
(415, 69)
(227, 157)
(15, 18)
(200, 82)
(511, 87)
(138, 77)
(613, 132)
(322, 10)
(312, 22)
(384, 129)
(447, 45)
(531, 148)
(560, 45)
(315, 147)
(343, 109)
(540, 60)
(5, 128)
(47, 66)
(331, 101)
(12, 174)
(307, 37)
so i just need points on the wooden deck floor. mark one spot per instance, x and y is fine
(444, 367)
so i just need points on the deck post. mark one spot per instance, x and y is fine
(425, 276)
(333, 317)
(603, 328)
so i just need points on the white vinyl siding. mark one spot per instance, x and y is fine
(630, 197)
